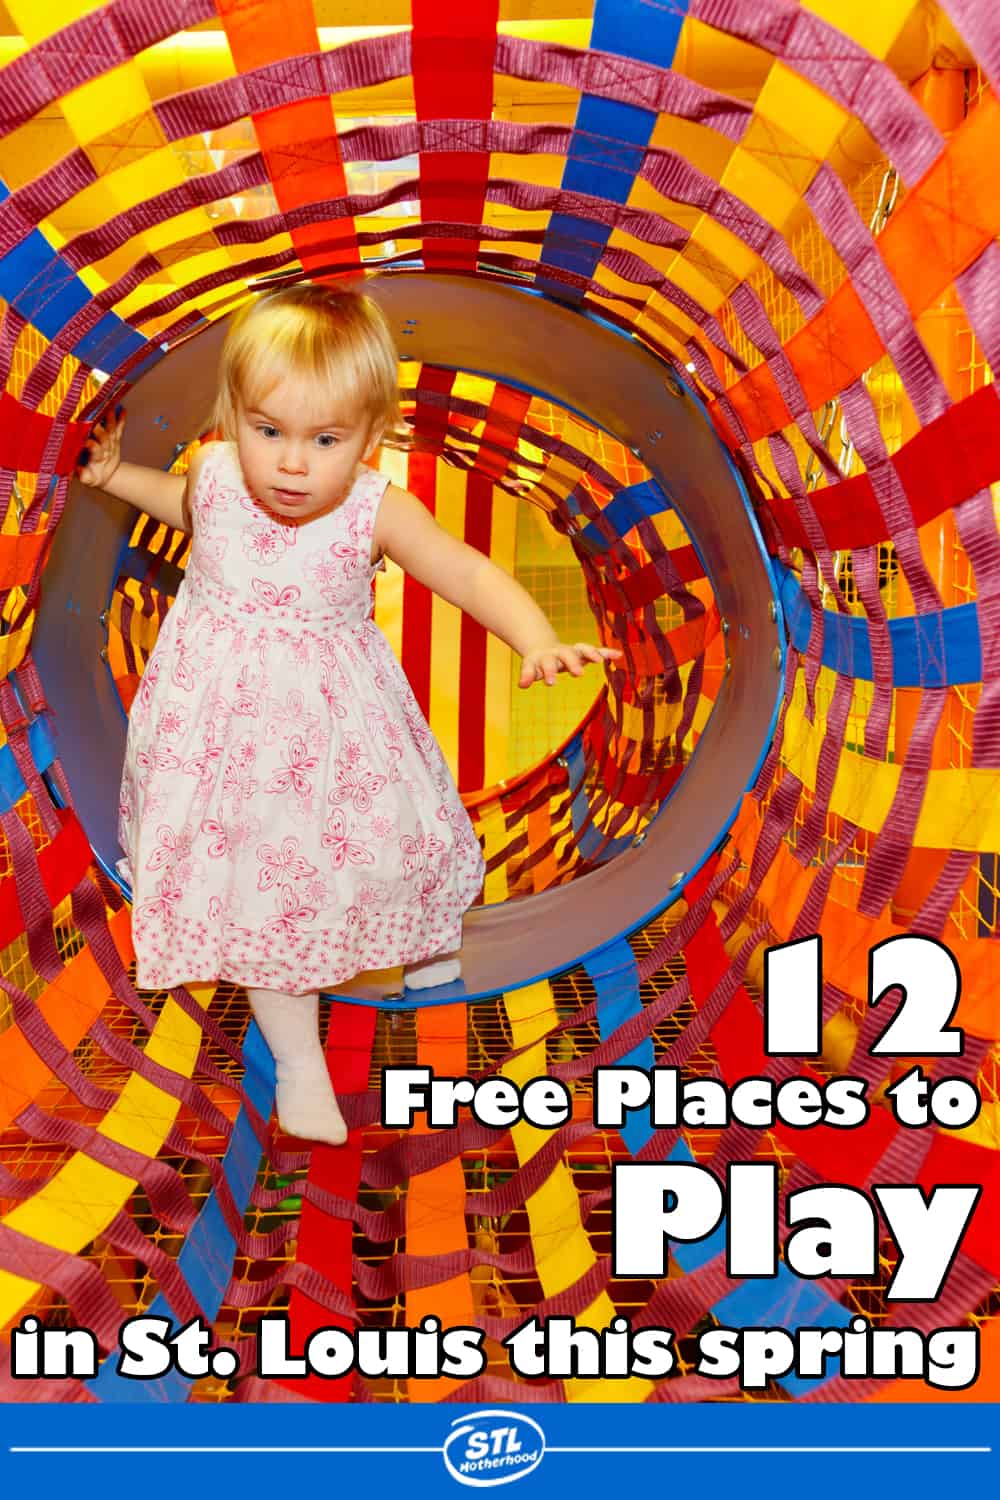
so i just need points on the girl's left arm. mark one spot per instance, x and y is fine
(407, 532)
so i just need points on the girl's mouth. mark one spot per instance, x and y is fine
(291, 497)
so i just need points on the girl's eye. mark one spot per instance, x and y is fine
(326, 440)
(266, 430)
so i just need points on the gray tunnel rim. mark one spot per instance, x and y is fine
(670, 891)
(528, 770)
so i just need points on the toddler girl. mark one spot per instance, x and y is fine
(287, 816)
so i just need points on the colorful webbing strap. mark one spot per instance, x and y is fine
(325, 1243)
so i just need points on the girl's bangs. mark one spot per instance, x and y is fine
(343, 372)
(341, 352)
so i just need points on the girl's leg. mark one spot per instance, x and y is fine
(307, 1105)
(442, 968)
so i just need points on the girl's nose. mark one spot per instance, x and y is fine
(293, 460)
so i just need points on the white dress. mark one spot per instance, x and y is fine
(287, 817)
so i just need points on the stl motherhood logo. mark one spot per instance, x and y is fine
(493, 1447)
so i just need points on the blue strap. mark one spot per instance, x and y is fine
(940, 649)
(46, 290)
(613, 973)
(609, 139)
(206, 1257)
(590, 840)
(638, 502)
(43, 753)
(41, 286)
(109, 343)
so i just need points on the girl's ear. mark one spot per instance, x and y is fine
(374, 439)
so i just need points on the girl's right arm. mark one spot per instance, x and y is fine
(165, 497)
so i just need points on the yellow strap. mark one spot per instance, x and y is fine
(960, 810)
(445, 644)
(499, 656)
(389, 584)
(775, 199)
(666, 717)
(143, 629)
(800, 107)
(493, 826)
(36, 22)
(875, 27)
(13, 647)
(562, 1250)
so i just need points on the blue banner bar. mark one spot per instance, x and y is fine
(717, 1450)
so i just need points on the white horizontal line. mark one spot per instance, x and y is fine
(760, 1448)
(381, 1448)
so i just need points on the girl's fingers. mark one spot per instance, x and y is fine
(590, 653)
(563, 659)
(109, 423)
(597, 654)
(546, 667)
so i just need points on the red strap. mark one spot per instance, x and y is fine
(453, 49)
(507, 410)
(25, 433)
(63, 864)
(950, 460)
(962, 1163)
(325, 1243)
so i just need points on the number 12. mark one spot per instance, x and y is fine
(924, 969)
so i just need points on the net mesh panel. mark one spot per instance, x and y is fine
(811, 225)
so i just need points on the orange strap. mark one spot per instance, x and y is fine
(18, 557)
(849, 935)
(951, 215)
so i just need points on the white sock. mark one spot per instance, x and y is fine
(429, 972)
(306, 1103)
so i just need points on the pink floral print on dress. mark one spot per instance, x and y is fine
(287, 817)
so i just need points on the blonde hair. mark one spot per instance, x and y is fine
(338, 340)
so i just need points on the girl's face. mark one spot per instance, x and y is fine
(298, 452)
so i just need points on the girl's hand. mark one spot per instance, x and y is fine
(103, 453)
(547, 661)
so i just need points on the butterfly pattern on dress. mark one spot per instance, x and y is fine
(268, 594)
(355, 781)
(295, 771)
(281, 864)
(287, 815)
(341, 846)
